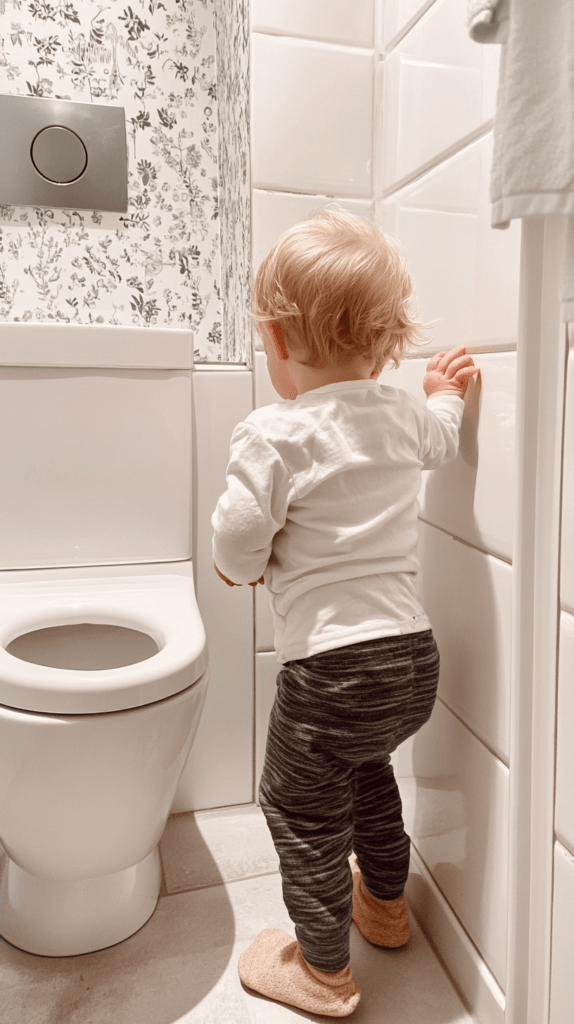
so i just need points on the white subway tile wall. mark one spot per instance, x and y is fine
(458, 799)
(396, 16)
(418, 162)
(470, 610)
(436, 106)
(332, 21)
(564, 809)
(567, 540)
(312, 116)
(455, 793)
(438, 88)
(562, 977)
(465, 274)
(464, 496)
(220, 767)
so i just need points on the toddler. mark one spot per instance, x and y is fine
(322, 499)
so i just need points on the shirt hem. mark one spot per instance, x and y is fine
(415, 624)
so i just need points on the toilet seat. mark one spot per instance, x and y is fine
(165, 607)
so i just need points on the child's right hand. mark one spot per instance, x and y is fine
(449, 371)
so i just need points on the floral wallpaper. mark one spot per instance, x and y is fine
(161, 263)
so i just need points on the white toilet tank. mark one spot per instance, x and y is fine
(96, 449)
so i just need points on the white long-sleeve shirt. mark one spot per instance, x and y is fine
(322, 500)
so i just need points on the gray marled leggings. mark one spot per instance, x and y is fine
(328, 786)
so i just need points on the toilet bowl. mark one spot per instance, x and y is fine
(102, 685)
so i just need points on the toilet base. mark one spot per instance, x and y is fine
(50, 917)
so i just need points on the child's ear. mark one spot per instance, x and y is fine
(278, 339)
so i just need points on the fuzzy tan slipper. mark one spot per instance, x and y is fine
(274, 966)
(382, 922)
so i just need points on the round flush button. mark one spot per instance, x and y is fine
(59, 155)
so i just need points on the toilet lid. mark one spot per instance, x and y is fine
(163, 608)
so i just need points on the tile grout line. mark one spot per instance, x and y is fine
(214, 885)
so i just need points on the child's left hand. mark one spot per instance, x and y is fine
(230, 584)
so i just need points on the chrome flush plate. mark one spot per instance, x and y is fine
(63, 154)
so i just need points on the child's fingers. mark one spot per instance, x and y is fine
(433, 363)
(445, 357)
(456, 365)
(449, 363)
(463, 376)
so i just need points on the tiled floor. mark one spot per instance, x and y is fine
(221, 887)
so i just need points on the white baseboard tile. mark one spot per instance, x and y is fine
(475, 983)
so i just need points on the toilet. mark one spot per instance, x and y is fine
(103, 658)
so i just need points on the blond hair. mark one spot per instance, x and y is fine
(339, 287)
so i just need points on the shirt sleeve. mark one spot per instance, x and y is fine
(440, 435)
(254, 507)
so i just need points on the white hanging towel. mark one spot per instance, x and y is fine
(533, 161)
